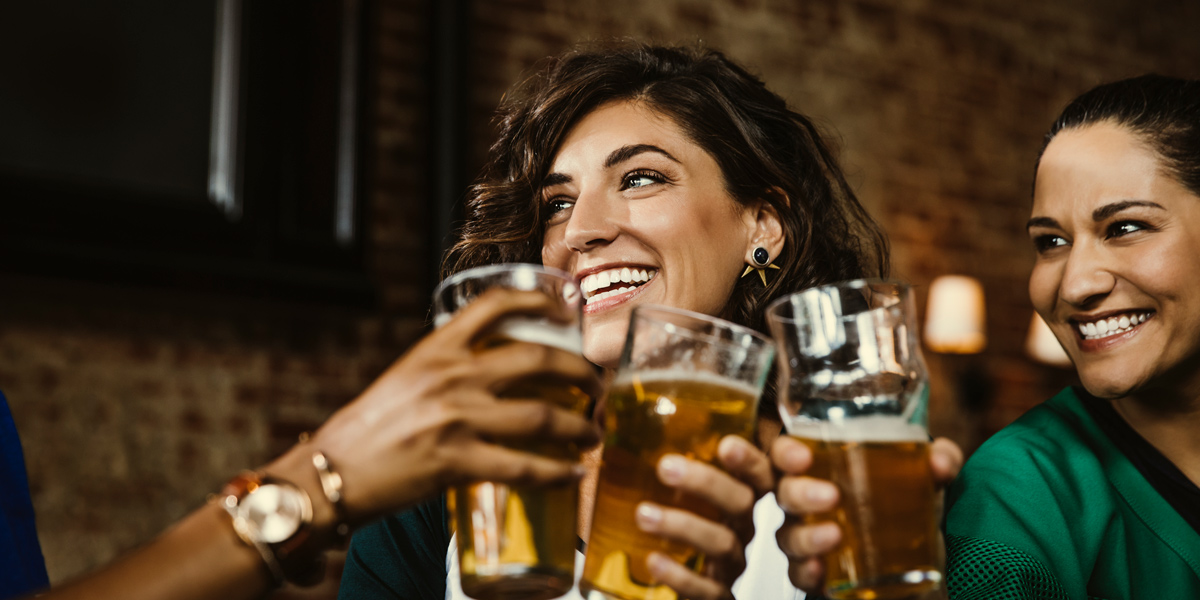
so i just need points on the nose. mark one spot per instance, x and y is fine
(1087, 277)
(593, 222)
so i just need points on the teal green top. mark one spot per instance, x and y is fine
(1050, 508)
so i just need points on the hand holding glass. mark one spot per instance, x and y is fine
(685, 381)
(853, 387)
(517, 541)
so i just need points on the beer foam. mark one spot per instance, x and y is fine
(667, 375)
(539, 331)
(873, 428)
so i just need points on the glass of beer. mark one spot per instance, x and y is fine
(519, 541)
(853, 387)
(685, 381)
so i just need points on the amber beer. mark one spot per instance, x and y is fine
(518, 542)
(891, 544)
(650, 414)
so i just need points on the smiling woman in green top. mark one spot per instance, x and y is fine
(1094, 494)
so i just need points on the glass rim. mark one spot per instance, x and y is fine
(773, 309)
(699, 316)
(495, 269)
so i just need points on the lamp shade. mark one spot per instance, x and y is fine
(955, 315)
(1042, 346)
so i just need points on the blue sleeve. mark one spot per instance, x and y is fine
(401, 557)
(22, 568)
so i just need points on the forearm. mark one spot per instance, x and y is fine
(198, 558)
(201, 557)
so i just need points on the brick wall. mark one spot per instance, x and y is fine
(133, 405)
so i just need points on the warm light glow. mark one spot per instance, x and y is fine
(954, 316)
(1042, 346)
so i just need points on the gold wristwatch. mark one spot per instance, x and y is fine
(275, 518)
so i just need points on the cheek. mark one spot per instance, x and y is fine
(1043, 288)
(554, 252)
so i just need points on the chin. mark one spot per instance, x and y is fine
(602, 346)
(605, 356)
(603, 342)
(1107, 385)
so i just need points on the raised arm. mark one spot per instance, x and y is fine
(430, 421)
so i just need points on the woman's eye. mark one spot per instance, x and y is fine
(556, 206)
(640, 179)
(1045, 243)
(1124, 228)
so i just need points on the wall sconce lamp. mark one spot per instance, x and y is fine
(955, 316)
(955, 324)
(1042, 346)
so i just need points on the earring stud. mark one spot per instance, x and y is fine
(762, 261)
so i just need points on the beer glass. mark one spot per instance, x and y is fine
(685, 381)
(853, 387)
(519, 541)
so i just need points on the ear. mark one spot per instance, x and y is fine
(764, 228)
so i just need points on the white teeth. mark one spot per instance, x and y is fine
(1111, 326)
(613, 277)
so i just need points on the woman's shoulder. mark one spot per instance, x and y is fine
(1054, 439)
(1034, 498)
(1045, 458)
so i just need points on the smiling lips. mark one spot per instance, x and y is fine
(614, 282)
(1111, 326)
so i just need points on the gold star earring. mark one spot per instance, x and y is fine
(762, 262)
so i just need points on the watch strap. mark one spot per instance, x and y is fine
(229, 498)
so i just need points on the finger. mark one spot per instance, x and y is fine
(746, 462)
(499, 368)
(481, 461)
(495, 304)
(790, 456)
(722, 490)
(801, 542)
(530, 419)
(807, 575)
(681, 579)
(946, 459)
(806, 495)
(713, 539)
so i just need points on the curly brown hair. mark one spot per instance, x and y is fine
(766, 152)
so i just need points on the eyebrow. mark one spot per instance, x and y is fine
(1098, 215)
(1041, 222)
(625, 153)
(614, 158)
(1109, 210)
(555, 179)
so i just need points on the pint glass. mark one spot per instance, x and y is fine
(685, 381)
(519, 541)
(853, 387)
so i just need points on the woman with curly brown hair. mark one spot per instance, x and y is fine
(652, 175)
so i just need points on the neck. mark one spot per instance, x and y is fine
(1170, 425)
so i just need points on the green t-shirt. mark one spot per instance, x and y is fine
(1050, 508)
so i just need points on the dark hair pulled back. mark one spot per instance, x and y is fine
(1162, 111)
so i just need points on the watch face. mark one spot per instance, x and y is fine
(275, 512)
